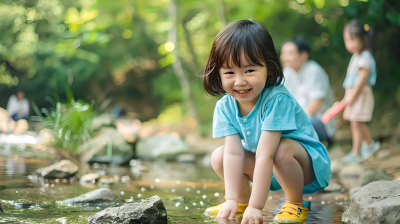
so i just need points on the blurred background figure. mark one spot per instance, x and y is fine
(308, 82)
(18, 106)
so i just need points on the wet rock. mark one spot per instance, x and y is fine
(385, 211)
(336, 166)
(63, 169)
(186, 158)
(104, 120)
(374, 203)
(351, 171)
(151, 210)
(390, 163)
(383, 154)
(166, 146)
(90, 178)
(333, 186)
(100, 195)
(109, 141)
(372, 174)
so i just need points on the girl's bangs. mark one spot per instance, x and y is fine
(229, 52)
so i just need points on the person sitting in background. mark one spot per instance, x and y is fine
(18, 106)
(307, 81)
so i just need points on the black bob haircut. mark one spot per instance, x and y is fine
(301, 43)
(243, 36)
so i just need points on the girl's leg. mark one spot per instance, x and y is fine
(357, 134)
(293, 169)
(366, 134)
(217, 158)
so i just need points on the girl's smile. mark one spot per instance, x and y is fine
(243, 92)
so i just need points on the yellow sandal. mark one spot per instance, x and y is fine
(293, 217)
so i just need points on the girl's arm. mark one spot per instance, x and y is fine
(362, 80)
(233, 166)
(266, 149)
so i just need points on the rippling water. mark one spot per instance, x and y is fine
(186, 190)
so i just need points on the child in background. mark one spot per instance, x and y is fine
(359, 99)
(268, 137)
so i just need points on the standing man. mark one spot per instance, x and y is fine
(307, 81)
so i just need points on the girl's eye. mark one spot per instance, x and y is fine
(229, 73)
(250, 71)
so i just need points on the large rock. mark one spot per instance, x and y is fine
(385, 211)
(166, 146)
(372, 174)
(100, 195)
(108, 147)
(63, 169)
(374, 203)
(151, 210)
(104, 120)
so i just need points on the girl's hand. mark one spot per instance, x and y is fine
(348, 101)
(229, 210)
(252, 216)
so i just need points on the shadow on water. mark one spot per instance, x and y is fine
(186, 190)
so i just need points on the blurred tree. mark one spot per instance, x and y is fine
(122, 49)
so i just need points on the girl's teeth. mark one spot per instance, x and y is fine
(242, 92)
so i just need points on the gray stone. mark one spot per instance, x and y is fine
(100, 195)
(351, 171)
(372, 174)
(149, 211)
(186, 158)
(63, 169)
(336, 166)
(166, 146)
(104, 120)
(385, 211)
(95, 150)
(359, 210)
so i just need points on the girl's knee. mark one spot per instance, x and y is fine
(284, 152)
(217, 157)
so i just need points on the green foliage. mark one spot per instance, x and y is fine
(120, 48)
(69, 123)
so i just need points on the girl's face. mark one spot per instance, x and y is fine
(353, 44)
(243, 83)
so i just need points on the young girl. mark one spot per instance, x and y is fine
(359, 100)
(268, 137)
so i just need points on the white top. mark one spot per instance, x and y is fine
(21, 108)
(311, 83)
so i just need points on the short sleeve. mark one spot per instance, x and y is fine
(280, 114)
(364, 61)
(319, 85)
(222, 126)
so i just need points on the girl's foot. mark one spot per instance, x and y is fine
(291, 213)
(368, 150)
(350, 158)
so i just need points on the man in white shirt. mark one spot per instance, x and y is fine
(18, 106)
(307, 81)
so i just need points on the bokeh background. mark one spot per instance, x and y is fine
(115, 90)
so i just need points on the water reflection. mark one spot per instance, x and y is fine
(186, 189)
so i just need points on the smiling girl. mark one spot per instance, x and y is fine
(268, 137)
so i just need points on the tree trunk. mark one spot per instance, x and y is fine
(187, 95)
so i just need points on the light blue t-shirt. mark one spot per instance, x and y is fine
(362, 60)
(276, 110)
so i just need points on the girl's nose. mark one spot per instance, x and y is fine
(240, 81)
